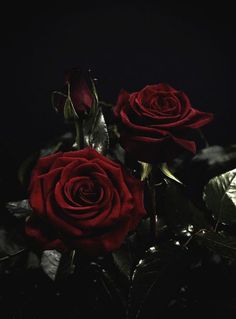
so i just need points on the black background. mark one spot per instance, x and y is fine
(189, 45)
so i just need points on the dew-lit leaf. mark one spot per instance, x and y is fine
(13, 250)
(61, 143)
(33, 260)
(66, 266)
(124, 258)
(220, 197)
(26, 167)
(176, 208)
(50, 261)
(57, 265)
(10, 244)
(105, 287)
(156, 279)
(220, 243)
(211, 161)
(117, 153)
(95, 131)
(20, 209)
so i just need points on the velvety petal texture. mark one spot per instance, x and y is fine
(82, 199)
(156, 123)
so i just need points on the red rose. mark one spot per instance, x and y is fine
(78, 90)
(157, 122)
(83, 200)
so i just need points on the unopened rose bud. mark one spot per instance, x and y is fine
(77, 97)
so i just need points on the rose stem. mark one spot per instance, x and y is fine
(153, 216)
(79, 133)
(153, 210)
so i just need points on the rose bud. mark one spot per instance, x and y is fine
(77, 97)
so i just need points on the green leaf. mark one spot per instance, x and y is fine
(166, 171)
(66, 265)
(50, 261)
(176, 208)
(57, 265)
(125, 259)
(156, 279)
(20, 209)
(220, 197)
(95, 131)
(195, 172)
(10, 244)
(104, 289)
(69, 111)
(26, 167)
(220, 243)
(13, 249)
(33, 260)
(61, 143)
(133, 248)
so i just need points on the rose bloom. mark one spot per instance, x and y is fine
(83, 200)
(157, 123)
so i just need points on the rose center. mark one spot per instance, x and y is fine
(88, 193)
(165, 105)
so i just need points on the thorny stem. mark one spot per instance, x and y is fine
(153, 211)
(197, 233)
(153, 215)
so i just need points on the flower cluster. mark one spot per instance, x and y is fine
(83, 200)
(130, 205)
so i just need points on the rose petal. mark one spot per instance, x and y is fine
(123, 98)
(55, 217)
(81, 95)
(74, 169)
(110, 240)
(84, 212)
(64, 161)
(71, 190)
(151, 150)
(136, 189)
(43, 235)
(40, 187)
(198, 119)
(44, 164)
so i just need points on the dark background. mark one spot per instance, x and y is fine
(189, 45)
